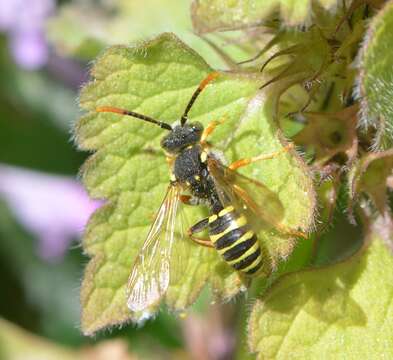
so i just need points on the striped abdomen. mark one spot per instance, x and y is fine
(235, 241)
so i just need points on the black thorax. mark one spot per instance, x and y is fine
(190, 170)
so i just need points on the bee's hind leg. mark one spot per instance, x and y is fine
(198, 227)
(244, 162)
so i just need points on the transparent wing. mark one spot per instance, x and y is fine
(156, 263)
(247, 195)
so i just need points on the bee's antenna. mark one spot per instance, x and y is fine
(194, 96)
(135, 115)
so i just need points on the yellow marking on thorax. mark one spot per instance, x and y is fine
(197, 177)
(172, 177)
(235, 224)
(247, 236)
(225, 211)
(203, 156)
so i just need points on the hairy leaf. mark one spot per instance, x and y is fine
(128, 169)
(343, 311)
(372, 175)
(228, 14)
(375, 82)
(328, 134)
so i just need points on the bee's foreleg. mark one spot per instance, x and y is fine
(198, 227)
(209, 129)
(170, 160)
(243, 162)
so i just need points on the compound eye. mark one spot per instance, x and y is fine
(196, 127)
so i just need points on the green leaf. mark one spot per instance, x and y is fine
(216, 15)
(343, 311)
(328, 134)
(128, 168)
(77, 30)
(84, 29)
(371, 175)
(375, 82)
(17, 343)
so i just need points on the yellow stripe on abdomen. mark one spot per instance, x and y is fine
(234, 240)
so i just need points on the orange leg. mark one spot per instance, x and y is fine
(281, 228)
(294, 233)
(243, 162)
(185, 199)
(190, 200)
(170, 160)
(201, 241)
(209, 129)
(198, 227)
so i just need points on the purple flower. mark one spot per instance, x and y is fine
(54, 208)
(29, 49)
(24, 21)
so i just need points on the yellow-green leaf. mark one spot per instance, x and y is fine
(213, 15)
(371, 175)
(375, 82)
(17, 343)
(128, 169)
(343, 311)
(84, 29)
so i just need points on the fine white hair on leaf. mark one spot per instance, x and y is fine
(358, 92)
(373, 88)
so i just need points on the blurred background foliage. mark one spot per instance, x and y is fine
(45, 52)
(46, 48)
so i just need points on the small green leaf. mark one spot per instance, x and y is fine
(375, 82)
(328, 134)
(372, 175)
(343, 311)
(216, 15)
(128, 168)
(327, 198)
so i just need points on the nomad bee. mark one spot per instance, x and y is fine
(238, 207)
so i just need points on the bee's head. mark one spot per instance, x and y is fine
(182, 136)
